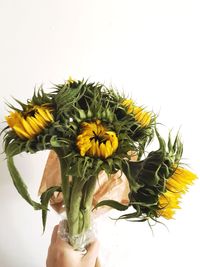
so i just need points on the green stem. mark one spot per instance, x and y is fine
(87, 202)
(73, 214)
(78, 196)
(64, 179)
(79, 215)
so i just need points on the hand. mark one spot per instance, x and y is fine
(61, 254)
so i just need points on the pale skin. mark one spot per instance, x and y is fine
(61, 254)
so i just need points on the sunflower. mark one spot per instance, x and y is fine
(28, 124)
(96, 141)
(176, 185)
(141, 116)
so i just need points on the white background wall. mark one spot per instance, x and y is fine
(149, 48)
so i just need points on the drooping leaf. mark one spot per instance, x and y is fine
(45, 198)
(20, 185)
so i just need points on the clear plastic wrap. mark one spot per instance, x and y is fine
(81, 241)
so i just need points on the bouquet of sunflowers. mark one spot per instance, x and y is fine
(92, 128)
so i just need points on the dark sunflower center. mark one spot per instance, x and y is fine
(101, 137)
(30, 113)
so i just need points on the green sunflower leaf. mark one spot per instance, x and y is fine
(20, 185)
(45, 198)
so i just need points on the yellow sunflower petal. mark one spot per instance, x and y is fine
(49, 115)
(114, 140)
(176, 185)
(103, 150)
(143, 117)
(168, 202)
(40, 120)
(98, 152)
(92, 150)
(129, 104)
(184, 175)
(28, 128)
(21, 133)
(43, 114)
(109, 148)
(33, 124)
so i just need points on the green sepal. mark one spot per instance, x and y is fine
(113, 204)
(82, 114)
(45, 198)
(20, 185)
(129, 216)
(131, 169)
(40, 97)
(65, 96)
(150, 168)
(54, 141)
(13, 148)
(24, 106)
